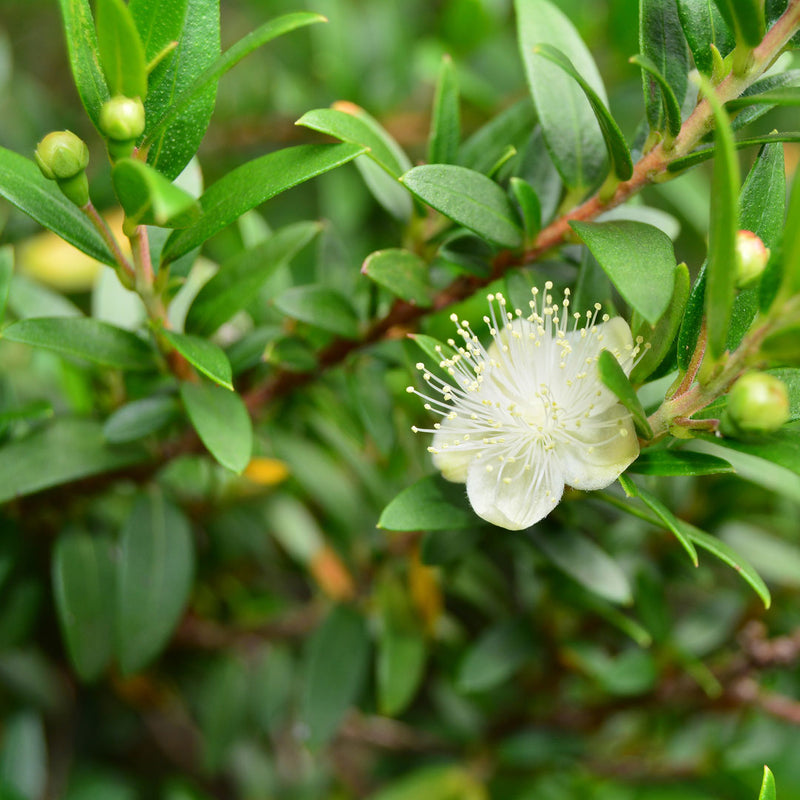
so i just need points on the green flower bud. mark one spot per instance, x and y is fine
(122, 121)
(61, 154)
(758, 403)
(62, 157)
(751, 258)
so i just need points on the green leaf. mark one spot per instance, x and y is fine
(34, 410)
(140, 418)
(254, 183)
(745, 18)
(671, 522)
(431, 504)
(239, 280)
(23, 185)
(120, 49)
(468, 198)
(322, 307)
(720, 278)
(66, 450)
(335, 668)
(529, 205)
(435, 782)
(83, 589)
(495, 656)
(703, 26)
(221, 421)
(81, 337)
(159, 23)
(23, 758)
(704, 153)
(205, 356)
(791, 244)
(726, 553)
(172, 145)
(671, 113)
(402, 272)
(513, 125)
(614, 377)
(204, 82)
(445, 134)
(661, 336)
(154, 579)
(573, 140)
(81, 36)
(678, 462)
(784, 96)
(148, 198)
(639, 260)
(767, 785)
(400, 663)
(618, 152)
(662, 43)
(6, 273)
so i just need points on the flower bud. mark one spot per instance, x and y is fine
(122, 121)
(62, 157)
(751, 258)
(757, 403)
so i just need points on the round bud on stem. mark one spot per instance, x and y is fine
(62, 157)
(758, 403)
(122, 121)
(751, 258)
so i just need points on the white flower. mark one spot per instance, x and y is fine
(529, 415)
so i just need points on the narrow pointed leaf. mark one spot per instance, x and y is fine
(513, 125)
(618, 152)
(81, 337)
(221, 421)
(786, 96)
(767, 786)
(745, 18)
(614, 377)
(529, 205)
(445, 132)
(23, 185)
(322, 307)
(703, 26)
(721, 273)
(571, 134)
(791, 243)
(120, 48)
(468, 198)
(671, 106)
(159, 23)
(704, 153)
(154, 579)
(254, 183)
(81, 37)
(679, 462)
(402, 272)
(140, 418)
(6, 273)
(205, 356)
(495, 656)
(638, 258)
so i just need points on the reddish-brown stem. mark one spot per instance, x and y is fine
(102, 228)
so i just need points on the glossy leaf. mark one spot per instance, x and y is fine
(81, 38)
(148, 198)
(638, 258)
(704, 153)
(618, 152)
(159, 23)
(402, 272)
(221, 420)
(445, 134)
(431, 503)
(254, 183)
(66, 450)
(678, 462)
(529, 205)
(661, 336)
(767, 791)
(585, 562)
(6, 273)
(154, 579)
(120, 49)
(239, 280)
(23, 185)
(671, 111)
(85, 338)
(171, 146)
(614, 377)
(495, 656)
(83, 589)
(512, 125)
(703, 26)
(140, 418)
(335, 668)
(662, 43)
(791, 243)
(203, 355)
(573, 140)
(468, 198)
(720, 277)
(745, 18)
(671, 522)
(322, 307)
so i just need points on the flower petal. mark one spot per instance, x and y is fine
(511, 496)
(450, 458)
(600, 450)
